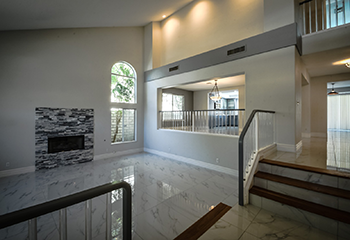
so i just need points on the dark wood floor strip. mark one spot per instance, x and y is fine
(307, 168)
(306, 185)
(302, 204)
(202, 225)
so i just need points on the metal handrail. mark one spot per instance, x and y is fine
(240, 154)
(29, 213)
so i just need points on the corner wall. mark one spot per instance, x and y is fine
(64, 68)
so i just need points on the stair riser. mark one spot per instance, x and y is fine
(308, 195)
(323, 223)
(322, 179)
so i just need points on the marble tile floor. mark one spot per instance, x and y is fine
(332, 152)
(168, 197)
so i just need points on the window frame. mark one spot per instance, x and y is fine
(119, 105)
(123, 125)
(124, 76)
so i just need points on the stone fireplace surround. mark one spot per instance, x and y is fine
(62, 122)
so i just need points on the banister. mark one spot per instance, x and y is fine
(240, 154)
(26, 214)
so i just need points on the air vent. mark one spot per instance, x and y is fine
(173, 68)
(236, 50)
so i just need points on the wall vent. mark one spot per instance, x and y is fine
(236, 50)
(173, 68)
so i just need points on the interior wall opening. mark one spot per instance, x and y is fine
(338, 124)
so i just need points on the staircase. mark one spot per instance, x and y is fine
(313, 196)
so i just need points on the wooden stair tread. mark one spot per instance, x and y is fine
(306, 185)
(325, 211)
(307, 168)
(204, 223)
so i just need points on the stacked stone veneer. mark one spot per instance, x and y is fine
(63, 122)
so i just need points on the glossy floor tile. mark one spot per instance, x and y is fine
(332, 152)
(168, 197)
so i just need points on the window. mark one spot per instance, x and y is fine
(123, 125)
(172, 102)
(123, 90)
(123, 83)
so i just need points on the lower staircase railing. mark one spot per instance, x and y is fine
(257, 134)
(31, 213)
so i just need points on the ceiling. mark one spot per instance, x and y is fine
(325, 63)
(44, 14)
(228, 82)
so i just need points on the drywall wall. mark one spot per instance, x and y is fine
(306, 116)
(301, 78)
(318, 105)
(200, 98)
(204, 25)
(187, 94)
(326, 40)
(152, 46)
(278, 13)
(66, 68)
(270, 84)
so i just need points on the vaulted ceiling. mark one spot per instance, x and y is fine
(44, 14)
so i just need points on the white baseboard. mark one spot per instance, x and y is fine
(285, 147)
(117, 154)
(306, 135)
(319, 135)
(193, 162)
(290, 147)
(16, 171)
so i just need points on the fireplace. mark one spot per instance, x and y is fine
(63, 136)
(61, 144)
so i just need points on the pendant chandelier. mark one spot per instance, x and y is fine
(215, 94)
(333, 92)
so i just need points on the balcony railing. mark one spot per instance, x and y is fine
(223, 121)
(319, 15)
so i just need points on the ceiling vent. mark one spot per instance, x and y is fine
(173, 68)
(236, 50)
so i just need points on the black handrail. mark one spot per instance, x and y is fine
(26, 214)
(240, 154)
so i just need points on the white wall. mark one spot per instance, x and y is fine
(278, 13)
(67, 68)
(318, 89)
(270, 84)
(204, 25)
(301, 75)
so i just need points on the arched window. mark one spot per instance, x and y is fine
(123, 83)
(123, 90)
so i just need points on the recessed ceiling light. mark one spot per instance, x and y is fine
(345, 61)
(164, 16)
